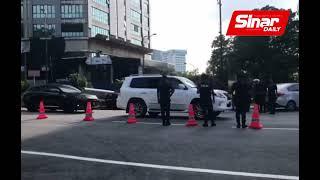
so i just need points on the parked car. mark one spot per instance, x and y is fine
(57, 96)
(288, 96)
(107, 98)
(141, 90)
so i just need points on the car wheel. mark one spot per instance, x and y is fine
(198, 114)
(291, 106)
(140, 107)
(153, 114)
(31, 108)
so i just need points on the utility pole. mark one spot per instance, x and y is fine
(220, 33)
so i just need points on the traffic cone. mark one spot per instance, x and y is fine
(89, 112)
(42, 114)
(132, 115)
(255, 123)
(191, 121)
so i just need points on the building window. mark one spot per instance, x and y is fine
(40, 30)
(102, 2)
(135, 29)
(135, 41)
(145, 8)
(72, 30)
(146, 22)
(72, 11)
(135, 15)
(72, 34)
(136, 2)
(43, 11)
(97, 30)
(100, 16)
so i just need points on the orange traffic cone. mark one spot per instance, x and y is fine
(89, 112)
(42, 114)
(132, 115)
(255, 123)
(191, 121)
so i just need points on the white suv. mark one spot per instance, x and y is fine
(141, 90)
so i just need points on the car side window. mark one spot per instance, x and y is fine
(176, 84)
(51, 89)
(293, 88)
(147, 82)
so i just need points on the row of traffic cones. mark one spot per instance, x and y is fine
(255, 123)
(132, 117)
(88, 117)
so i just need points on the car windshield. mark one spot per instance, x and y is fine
(69, 89)
(189, 82)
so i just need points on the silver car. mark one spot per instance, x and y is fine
(288, 96)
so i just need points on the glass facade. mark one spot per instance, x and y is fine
(98, 30)
(136, 2)
(102, 2)
(72, 11)
(43, 11)
(100, 16)
(135, 15)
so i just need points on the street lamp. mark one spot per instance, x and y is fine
(148, 47)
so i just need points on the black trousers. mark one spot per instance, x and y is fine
(262, 107)
(165, 112)
(243, 117)
(272, 107)
(208, 114)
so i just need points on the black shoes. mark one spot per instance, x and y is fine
(166, 123)
(205, 125)
(238, 125)
(213, 124)
(244, 126)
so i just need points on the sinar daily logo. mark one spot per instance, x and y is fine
(258, 23)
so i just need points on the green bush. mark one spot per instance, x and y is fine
(78, 80)
(24, 85)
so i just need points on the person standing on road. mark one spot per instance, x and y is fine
(242, 99)
(164, 92)
(206, 100)
(262, 96)
(272, 96)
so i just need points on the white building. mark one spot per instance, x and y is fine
(174, 56)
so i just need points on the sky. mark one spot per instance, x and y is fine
(192, 25)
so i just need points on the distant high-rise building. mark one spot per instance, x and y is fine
(174, 56)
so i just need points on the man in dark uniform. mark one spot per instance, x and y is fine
(206, 100)
(164, 92)
(242, 99)
(262, 89)
(272, 96)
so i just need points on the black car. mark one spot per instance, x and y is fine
(57, 96)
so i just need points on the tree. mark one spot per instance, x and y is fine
(218, 66)
(259, 56)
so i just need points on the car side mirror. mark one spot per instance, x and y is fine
(182, 86)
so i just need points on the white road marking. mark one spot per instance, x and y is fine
(178, 168)
(148, 123)
(289, 129)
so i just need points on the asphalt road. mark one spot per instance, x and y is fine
(147, 150)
